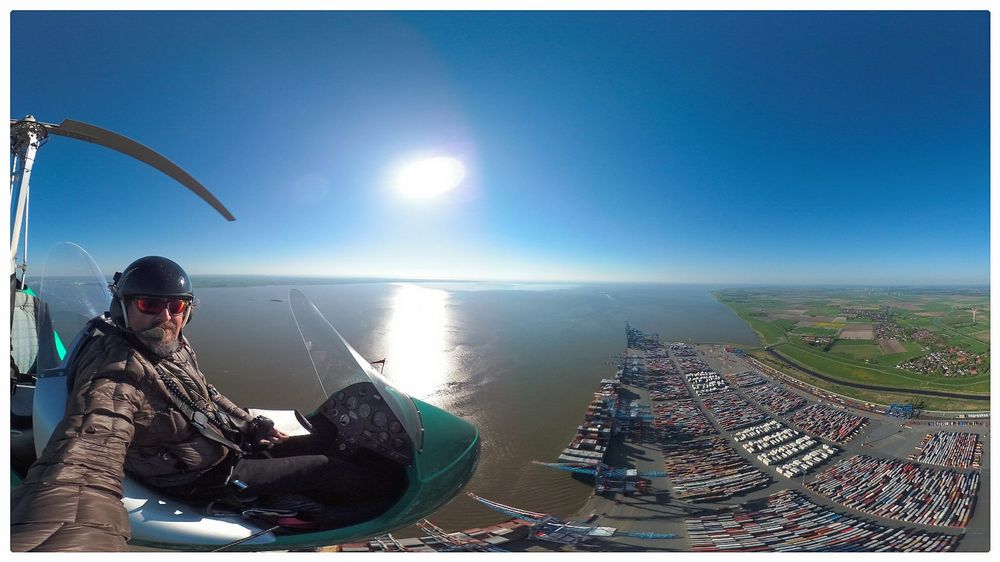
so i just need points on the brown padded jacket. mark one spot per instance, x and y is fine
(119, 417)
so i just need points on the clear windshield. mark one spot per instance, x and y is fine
(74, 290)
(338, 365)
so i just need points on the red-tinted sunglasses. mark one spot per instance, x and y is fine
(149, 305)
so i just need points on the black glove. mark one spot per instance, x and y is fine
(259, 428)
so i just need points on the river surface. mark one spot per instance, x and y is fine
(521, 362)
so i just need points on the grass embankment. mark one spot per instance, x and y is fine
(767, 332)
(932, 403)
(851, 371)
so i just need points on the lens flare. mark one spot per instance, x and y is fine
(429, 177)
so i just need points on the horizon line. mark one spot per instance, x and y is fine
(372, 278)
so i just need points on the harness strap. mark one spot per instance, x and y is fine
(197, 418)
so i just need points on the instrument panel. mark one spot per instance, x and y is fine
(364, 420)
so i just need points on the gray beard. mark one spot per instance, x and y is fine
(153, 338)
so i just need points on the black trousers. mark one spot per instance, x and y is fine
(321, 476)
(348, 489)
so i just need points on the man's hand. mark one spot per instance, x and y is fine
(263, 431)
(273, 438)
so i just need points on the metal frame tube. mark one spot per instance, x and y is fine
(15, 194)
(14, 169)
(27, 146)
(22, 200)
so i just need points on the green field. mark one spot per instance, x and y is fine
(784, 325)
(823, 309)
(963, 340)
(896, 312)
(982, 336)
(857, 349)
(913, 350)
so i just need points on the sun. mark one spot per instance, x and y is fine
(429, 177)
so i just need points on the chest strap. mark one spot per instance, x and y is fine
(197, 418)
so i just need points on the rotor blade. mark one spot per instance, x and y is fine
(114, 141)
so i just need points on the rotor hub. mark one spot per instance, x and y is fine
(26, 131)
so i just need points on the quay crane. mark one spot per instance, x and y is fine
(608, 479)
(631, 418)
(602, 470)
(547, 527)
(388, 543)
(454, 541)
(446, 542)
(629, 412)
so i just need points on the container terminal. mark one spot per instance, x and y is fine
(698, 448)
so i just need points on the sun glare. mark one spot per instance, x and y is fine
(429, 177)
(418, 340)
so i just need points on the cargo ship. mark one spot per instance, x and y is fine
(590, 443)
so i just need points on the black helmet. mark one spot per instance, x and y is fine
(151, 276)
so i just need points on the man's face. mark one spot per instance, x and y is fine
(159, 331)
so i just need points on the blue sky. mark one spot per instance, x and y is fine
(718, 147)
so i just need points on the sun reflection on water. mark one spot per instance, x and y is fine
(417, 360)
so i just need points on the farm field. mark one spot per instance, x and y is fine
(856, 349)
(933, 339)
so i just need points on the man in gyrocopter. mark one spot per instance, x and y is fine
(139, 404)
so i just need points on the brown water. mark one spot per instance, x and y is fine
(520, 362)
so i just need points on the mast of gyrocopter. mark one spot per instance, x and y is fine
(28, 135)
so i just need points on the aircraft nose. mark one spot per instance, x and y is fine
(448, 440)
(450, 454)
